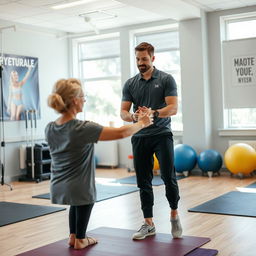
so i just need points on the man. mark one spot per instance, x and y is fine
(153, 90)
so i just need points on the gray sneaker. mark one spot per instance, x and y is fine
(144, 231)
(176, 227)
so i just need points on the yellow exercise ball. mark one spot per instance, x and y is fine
(156, 164)
(240, 158)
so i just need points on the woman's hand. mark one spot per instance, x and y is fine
(145, 116)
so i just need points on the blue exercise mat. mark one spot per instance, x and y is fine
(104, 192)
(232, 203)
(157, 181)
(14, 212)
(253, 185)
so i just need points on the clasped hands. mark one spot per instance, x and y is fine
(143, 114)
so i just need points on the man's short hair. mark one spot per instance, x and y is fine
(145, 47)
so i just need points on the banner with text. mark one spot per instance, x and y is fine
(239, 66)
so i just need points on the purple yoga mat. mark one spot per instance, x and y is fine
(118, 242)
(203, 252)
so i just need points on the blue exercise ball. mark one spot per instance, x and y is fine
(185, 158)
(209, 160)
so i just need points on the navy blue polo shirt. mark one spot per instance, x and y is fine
(151, 93)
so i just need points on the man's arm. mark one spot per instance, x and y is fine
(125, 111)
(171, 108)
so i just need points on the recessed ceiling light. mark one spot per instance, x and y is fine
(71, 4)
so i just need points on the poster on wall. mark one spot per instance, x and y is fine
(20, 86)
(239, 66)
(244, 70)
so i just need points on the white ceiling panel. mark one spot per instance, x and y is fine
(19, 9)
(45, 24)
(98, 5)
(226, 5)
(206, 2)
(125, 13)
(9, 17)
(39, 12)
(249, 2)
(39, 3)
(28, 20)
(49, 16)
(70, 20)
(175, 9)
(8, 1)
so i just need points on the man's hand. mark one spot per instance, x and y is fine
(142, 111)
(135, 115)
(146, 110)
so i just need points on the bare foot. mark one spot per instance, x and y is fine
(71, 240)
(82, 243)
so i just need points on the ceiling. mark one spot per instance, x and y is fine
(96, 15)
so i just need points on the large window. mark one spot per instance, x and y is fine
(240, 29)
(167, 59)
(99, 69)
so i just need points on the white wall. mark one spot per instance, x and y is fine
(196, 112)
(52, 55)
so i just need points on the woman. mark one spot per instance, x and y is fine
(71, 143)
(15, 103)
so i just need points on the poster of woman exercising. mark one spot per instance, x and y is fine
(20, 86)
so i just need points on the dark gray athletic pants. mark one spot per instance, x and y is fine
(143, 150)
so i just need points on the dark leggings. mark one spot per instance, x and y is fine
(143, 150)
(78, 219)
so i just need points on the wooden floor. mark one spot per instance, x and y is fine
(232, 236)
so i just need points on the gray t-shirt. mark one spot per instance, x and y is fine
(151, 93)
(73, 169)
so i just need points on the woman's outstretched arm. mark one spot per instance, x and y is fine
(24, 80)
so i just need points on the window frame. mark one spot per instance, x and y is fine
(156, 30)
(78, 60)
(235, 20)
(225, 21)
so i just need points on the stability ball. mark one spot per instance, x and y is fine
(185, 158)
(240, 158)
(209, 161)
(156, 164)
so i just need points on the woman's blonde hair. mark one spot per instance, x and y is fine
(64, 91)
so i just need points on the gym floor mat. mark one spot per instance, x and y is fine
(118, 242)
(253, 185)
(15, 212)
(203, 252)
(104, 192)
(232, 203)
(157, 181)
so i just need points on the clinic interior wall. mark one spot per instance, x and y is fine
(196, 112)
(220, 143)
(53, 56)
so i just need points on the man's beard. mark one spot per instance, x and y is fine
(143, 68)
